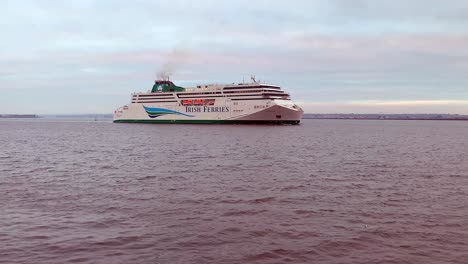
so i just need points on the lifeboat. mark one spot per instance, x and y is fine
(186, 102)
(198, 102)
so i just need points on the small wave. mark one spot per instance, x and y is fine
(294, 234)
(108, 167)
(79, 260)
(118, 241)
(270, 255)
(232, 201)
(260, 233)
(241, 213)
(293, 187)
(262, 200)
(339, 248)
(148, 177)
(327, 210)
(41, 169)
(38, 237)
(230, 230)
(304, 212)
(115, 254)
(193, 202)
(262, 256)
(99, 225)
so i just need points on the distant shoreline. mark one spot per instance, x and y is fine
(389, 119)
(19, 116)
(446, 117)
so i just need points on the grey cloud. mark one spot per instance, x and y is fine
(319, 50)
(422, 10)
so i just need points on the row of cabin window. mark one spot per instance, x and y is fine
(153, 95)
(254, 91)
(198, 93)
(251, 87)
(145, 102)
(154, 98)
(226, 92)
(259, 106)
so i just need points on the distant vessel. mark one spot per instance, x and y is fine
(18, 116)
(211, 104)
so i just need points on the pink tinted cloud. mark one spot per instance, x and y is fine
(301, 53)
(395, 107)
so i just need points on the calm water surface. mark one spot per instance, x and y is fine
(328, 191)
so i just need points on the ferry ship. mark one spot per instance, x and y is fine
(242, 103)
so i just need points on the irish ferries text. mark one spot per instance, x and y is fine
(199, 109)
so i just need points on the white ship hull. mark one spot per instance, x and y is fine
(224, 110)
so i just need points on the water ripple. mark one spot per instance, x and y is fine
(323, 192)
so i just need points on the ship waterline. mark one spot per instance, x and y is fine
(243, 103)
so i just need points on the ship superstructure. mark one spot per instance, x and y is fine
(212, 103)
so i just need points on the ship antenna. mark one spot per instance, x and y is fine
(252, 77)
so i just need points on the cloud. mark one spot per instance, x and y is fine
(327, 51)
(388, 107)
(411, 103)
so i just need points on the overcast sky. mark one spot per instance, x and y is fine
(333, 56)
